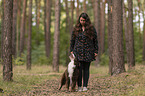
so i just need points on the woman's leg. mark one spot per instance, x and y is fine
(86, 67)
(80, 75)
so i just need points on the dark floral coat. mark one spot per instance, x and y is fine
(83, 47)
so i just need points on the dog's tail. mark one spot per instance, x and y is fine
(63, 81)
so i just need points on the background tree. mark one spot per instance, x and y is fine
(110, 39)
(48, 25)
(117, 36)
(131, 57)
(144, 42)
(14, 27)
(38, 5)
(22, 29)
(56, 36)
(97, 26)
(29, 36)
(102, 27)
(77, 9)
(85, 6)
(126, 32)
(7, 41)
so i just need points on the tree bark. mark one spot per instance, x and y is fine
(72, 15)
(77, 10)
(22, 29)
(67, 32)
(97, 26)
(102, 29)
(110, 39)
(2, 28)
(48, 25)
(144, 42)
(29, 36)
(118, 54)
(18, 26)
(85, 6)
(14, 28)
(38, 5)
(126, 32)
(131, 63)
(7, 41)
(56, 36)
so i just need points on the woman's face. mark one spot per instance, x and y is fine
(82, 21)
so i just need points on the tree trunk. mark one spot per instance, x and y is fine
(85, 6)
(77, 9)
(72, 15)
(126, 32)
(48, 25)
(139, 11)
(22, 29)
(18, 26)
(29, 36)
(102, 29)
(56, 36)
(7, 41)
(38, 5)
(118, 54)
(14, 28)
(67, 32)
(144, 42)
(131, 63)
(97, 26)
(2, 28)
(110, 39)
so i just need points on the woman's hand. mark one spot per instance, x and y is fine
(95, 54)
(71, 52)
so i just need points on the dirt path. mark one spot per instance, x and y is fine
(98, 86)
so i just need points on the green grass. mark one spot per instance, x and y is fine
(25, 79)
(130, 83)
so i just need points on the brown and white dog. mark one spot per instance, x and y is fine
(70, 76)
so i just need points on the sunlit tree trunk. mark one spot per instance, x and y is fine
(14, 27)
(56, 36)
(131, 63)
(118, 65)
(110, 39)
(7, 41)
(22, 29)
(29, 36)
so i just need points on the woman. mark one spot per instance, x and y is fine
(84, 46)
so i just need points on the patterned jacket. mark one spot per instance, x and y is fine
(83, 47)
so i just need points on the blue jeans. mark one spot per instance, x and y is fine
(83, 73)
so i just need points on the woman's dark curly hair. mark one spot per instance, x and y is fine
(89, 29)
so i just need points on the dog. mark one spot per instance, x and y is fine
(70, 76)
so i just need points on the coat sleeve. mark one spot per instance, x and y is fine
(95, 41)
(72, 41)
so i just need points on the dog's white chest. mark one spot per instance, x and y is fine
(71, 67)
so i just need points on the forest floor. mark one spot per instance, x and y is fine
(130, 83)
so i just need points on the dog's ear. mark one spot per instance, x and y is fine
(72, 57)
